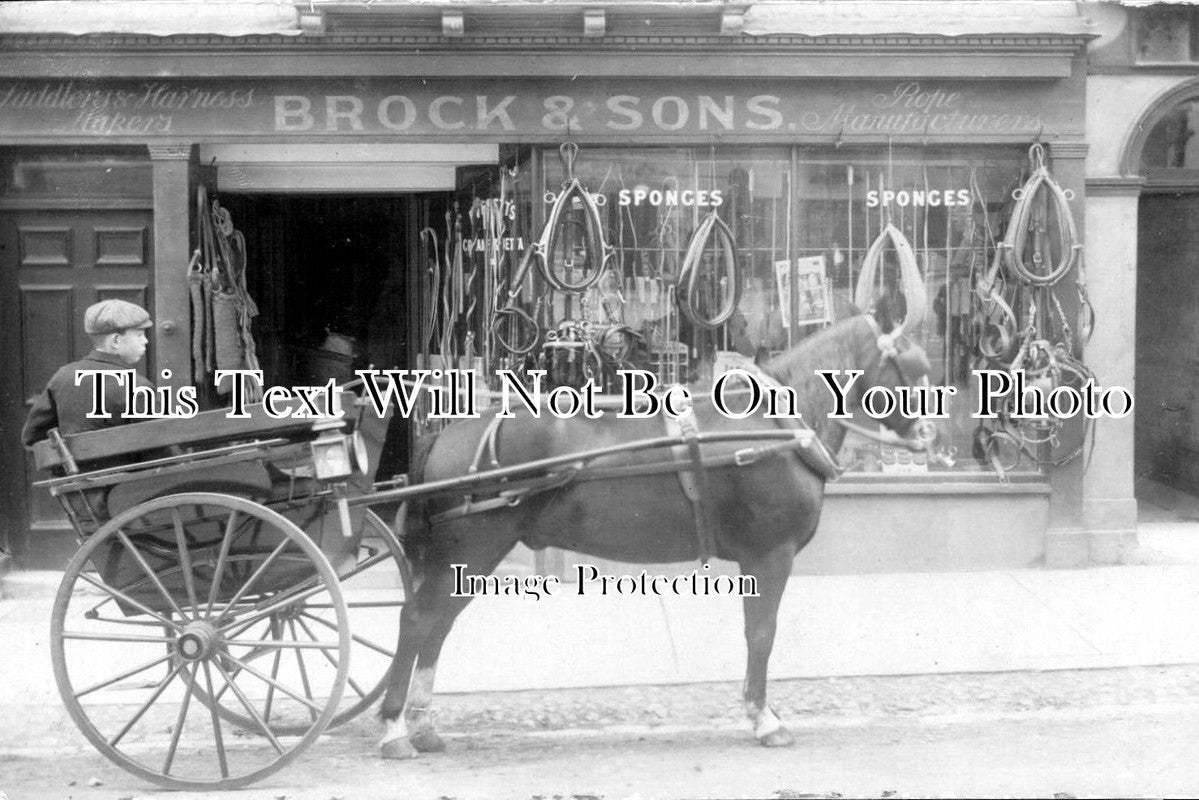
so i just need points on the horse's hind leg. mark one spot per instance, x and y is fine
(422, 735)
(425, 623)
(761, 617)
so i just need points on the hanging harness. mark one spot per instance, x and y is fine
(711, 229)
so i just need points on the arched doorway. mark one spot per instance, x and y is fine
(1167, 306)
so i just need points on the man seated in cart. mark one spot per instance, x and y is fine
(117, 329)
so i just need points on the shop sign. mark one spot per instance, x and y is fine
(918, 198)
(514, 109)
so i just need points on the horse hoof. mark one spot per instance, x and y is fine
(426, 740)
(397, 749)
(780, 738)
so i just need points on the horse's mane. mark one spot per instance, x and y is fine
(837, 347)
(831, 348)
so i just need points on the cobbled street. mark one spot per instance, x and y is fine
(1126, 732)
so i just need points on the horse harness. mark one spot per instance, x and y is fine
(687, 462)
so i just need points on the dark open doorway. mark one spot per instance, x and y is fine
(330, 276)
(1167, 420)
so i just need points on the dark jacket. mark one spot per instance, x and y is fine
(64, 405)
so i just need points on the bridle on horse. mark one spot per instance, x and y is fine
(924, 432)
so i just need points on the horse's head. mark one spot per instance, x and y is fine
(898, 361)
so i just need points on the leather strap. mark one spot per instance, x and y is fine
(693, 481)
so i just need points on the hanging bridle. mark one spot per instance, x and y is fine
(542, 251)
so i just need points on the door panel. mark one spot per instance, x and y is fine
(54, 263)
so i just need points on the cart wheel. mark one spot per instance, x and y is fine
(375, 588)
(203, 575)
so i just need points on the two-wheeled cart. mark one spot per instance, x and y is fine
(234, 595)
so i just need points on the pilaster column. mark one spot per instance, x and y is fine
(171, 166)
(1109, 508)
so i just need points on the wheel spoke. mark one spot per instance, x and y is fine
(226, 544)
(137, 556)
(235, 672)
(270, 682)
(122, 676)
(258, 573)
(179, 722)
(276, 603)
(266, 729)
(117, 637)
(378, 648)
(124, 598)
(303, 667)
(270, 690)
(158, 690)
(291, 645)
(185, 560)
(353, 684)
(216, 726)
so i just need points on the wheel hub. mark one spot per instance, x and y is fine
(197, 641)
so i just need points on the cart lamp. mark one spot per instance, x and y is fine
(331, 456)
(362, 459)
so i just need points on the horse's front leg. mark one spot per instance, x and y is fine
(761, 617)
(415, 622)
(425, 624)
(421, 733)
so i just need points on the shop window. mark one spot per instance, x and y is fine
(1171, 144)
(952, 209)
(808, 217)
(79, 174)
(653, 201)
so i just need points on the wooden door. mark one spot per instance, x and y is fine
(54, 263)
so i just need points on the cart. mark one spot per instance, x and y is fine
(235, 595)
(225, 597)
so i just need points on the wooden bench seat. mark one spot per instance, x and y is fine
(207, 427)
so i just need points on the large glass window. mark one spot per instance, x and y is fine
(653, 200)
(802, 216)
(952, 209)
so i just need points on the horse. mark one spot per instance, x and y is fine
(762, 514)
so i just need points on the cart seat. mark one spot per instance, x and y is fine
(249, 480)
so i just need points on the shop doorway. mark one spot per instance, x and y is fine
(331, 277)
(1167, 427)
(1167, 332)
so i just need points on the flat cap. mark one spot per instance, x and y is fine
(114, 316)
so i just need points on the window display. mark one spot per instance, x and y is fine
(801, 223)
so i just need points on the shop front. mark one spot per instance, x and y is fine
(385, 218)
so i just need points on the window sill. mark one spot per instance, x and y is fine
(938, 483)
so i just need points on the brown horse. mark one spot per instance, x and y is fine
(762, 514)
